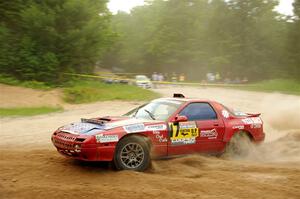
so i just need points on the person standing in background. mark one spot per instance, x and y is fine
(160, 78)
(174, 77)
(181, 77)
(218, 77)
(154, 79)
(166, 77)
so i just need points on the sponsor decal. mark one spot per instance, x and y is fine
(80, 128)
(238, 127)
(106, 138)
(247, 121)
(183, 133)
(157, 127)
(159, 136)
(255, 126)
(225, 113)
(134, 128)
(254, 122)
(210, 134)
(181, 141)
(187, 125)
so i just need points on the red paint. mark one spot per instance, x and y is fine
(224, 127)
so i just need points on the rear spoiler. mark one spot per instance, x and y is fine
(178, 95)
(253, 114)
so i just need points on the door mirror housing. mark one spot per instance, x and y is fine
(180, 118)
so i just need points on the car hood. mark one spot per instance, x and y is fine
(94, 126)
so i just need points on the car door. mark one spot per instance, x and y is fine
(203, 132)
(182, 138)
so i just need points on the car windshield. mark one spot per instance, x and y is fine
(141, 78)
(155, 110)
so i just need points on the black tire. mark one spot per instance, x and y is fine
(239, 145)
(132, 153)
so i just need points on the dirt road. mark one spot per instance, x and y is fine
(31, 168)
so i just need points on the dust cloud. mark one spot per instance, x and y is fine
(282, 128)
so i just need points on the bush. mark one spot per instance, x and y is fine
(28, 84)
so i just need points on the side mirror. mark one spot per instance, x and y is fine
(180, 118)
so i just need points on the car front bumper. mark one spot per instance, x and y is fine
(69, 147)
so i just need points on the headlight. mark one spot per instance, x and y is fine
(77, 148)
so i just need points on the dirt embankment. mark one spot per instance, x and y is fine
(13, 96)
(31, 168)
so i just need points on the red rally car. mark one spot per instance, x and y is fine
(165, 127)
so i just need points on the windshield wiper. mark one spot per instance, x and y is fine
(150, 114)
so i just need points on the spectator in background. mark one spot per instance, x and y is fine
(166, 77)
(181, 77)
(245, 80)
(218, 77)
(210, 77)
(154, 79)
(160, 77)
(174, 77)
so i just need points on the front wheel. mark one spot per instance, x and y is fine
(132, 153)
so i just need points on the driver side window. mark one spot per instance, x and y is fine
(199, 111)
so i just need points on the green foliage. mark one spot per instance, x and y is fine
(28, 111)
(293, 45)
(40, 40)
(91, 91)
(236, 38)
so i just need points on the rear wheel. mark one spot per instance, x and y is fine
(132, 153)
(239, 145)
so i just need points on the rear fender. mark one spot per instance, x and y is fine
(228, 136)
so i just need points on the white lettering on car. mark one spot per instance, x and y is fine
(225, 114)
(159, 136)
(238, 127)
(134, 128)
(210, 134)
(156, 127)
(106, 138)
(254, 122)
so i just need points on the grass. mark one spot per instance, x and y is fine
(276, 85)
(28, 111)
(92, 91)
(28, 84)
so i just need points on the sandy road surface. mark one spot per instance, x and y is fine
(31, 168)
